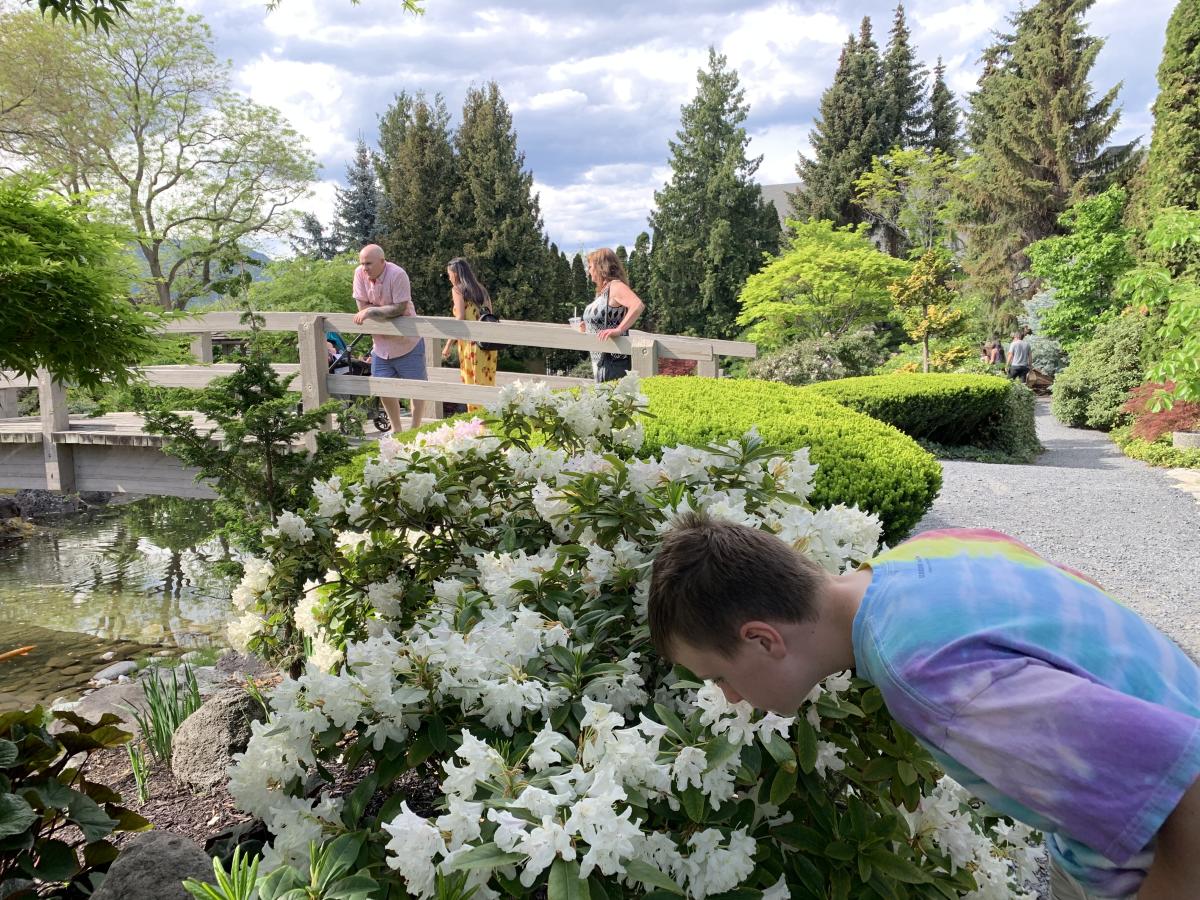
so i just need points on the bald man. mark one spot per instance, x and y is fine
(382, 291)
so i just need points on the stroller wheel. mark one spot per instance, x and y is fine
(381, 420)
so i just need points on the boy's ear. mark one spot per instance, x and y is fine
(765, 637)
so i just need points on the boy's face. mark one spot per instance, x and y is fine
(762, 671)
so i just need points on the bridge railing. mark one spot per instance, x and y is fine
(316, 385)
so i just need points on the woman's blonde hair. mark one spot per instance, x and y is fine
(607, 267)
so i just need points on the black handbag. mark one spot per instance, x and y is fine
(486, 315)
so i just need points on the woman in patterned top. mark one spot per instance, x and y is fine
(476, 366)
(611, 314)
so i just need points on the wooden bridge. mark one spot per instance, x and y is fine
(113, 453)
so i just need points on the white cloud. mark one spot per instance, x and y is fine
(316, 98)
(560, 99)
(779, 147)
(606, 201)
(963, 23)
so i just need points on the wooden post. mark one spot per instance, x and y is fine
(10, 406)
(202, 347)
(59, 459)
(433, 360)
(645, 356)
(314, 369)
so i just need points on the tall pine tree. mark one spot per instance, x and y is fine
(639, 267)
(711, 224)
(419, 161)
(905, 113)
(1038, 134)
(1172, 176)
(582, 288)
(495, 210)
(942, 132)
(849, 133)
(357, 205)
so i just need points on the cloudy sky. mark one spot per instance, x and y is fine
(595, 88)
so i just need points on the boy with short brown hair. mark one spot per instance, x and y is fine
(1026, 682)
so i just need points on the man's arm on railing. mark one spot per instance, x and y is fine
(391, 311)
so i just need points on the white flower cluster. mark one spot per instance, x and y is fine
(492, 650)
(1006, 856)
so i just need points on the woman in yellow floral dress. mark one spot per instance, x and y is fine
(469, 297)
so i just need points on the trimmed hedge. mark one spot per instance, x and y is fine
(946, 409)
(861, 462)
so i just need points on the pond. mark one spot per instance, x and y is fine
(119, 582)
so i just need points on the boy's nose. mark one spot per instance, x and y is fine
(730, 694)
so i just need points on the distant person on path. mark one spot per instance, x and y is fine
(995, 351)
(382, 291)
(611, 314)
(1028, 684)
(469, 297)
(1019, 357)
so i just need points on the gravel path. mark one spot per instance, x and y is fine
(1085, 504)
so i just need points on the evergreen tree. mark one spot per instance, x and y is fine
(495, 210)
(419, 162)
(312, 241)
(622, 256)
(711, 224)
(581, 286)
(942, 131)
(357, 206)
(849, 133)
(1038, 134)
(1172, 173)
(639, 268)
(905, 114)
(392, 125)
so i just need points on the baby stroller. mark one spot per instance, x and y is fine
(343, 362)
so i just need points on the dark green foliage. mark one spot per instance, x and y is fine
(1090, 392)
(96, 14)
(862, 462)
(312, 241)
(44, 791)
(848, 134)
(821, 359)
(495, 212)
(942, 132)
(582, 287)
(711, 224)
(416, 162)
(357, 204)
(639, 267)
(1173, 168)
(257, 467)
(958, 416)
(64, 282)
(1038, 135)
(1083, 265)
(905, 113)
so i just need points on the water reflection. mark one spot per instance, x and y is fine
(145, 571)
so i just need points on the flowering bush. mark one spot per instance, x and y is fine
(474, 611)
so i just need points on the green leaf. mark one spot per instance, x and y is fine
(15, 815)
(806, 745)
(906, 772)
(337, 857)
(485, 856)
(8, 753)
(780, 750)
(651, 876)
(56, 861)
(565, 883)
(694, 804)
(99, 853)
(783, 785)
(90, 818)
(674, 724)
(896, 867)
(355, 887)
(839, 850)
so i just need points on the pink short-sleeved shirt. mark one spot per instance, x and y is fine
(389, 288)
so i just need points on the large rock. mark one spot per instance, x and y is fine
(203, 747)
(153, 867)
(9, 508)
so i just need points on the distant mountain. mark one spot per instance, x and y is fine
(257, 271)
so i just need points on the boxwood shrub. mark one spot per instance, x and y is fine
(861, 461)
(947, 409)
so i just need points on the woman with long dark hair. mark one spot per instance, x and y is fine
(470, 298)
(611, 314)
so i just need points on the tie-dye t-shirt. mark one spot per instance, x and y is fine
(1038, 692)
